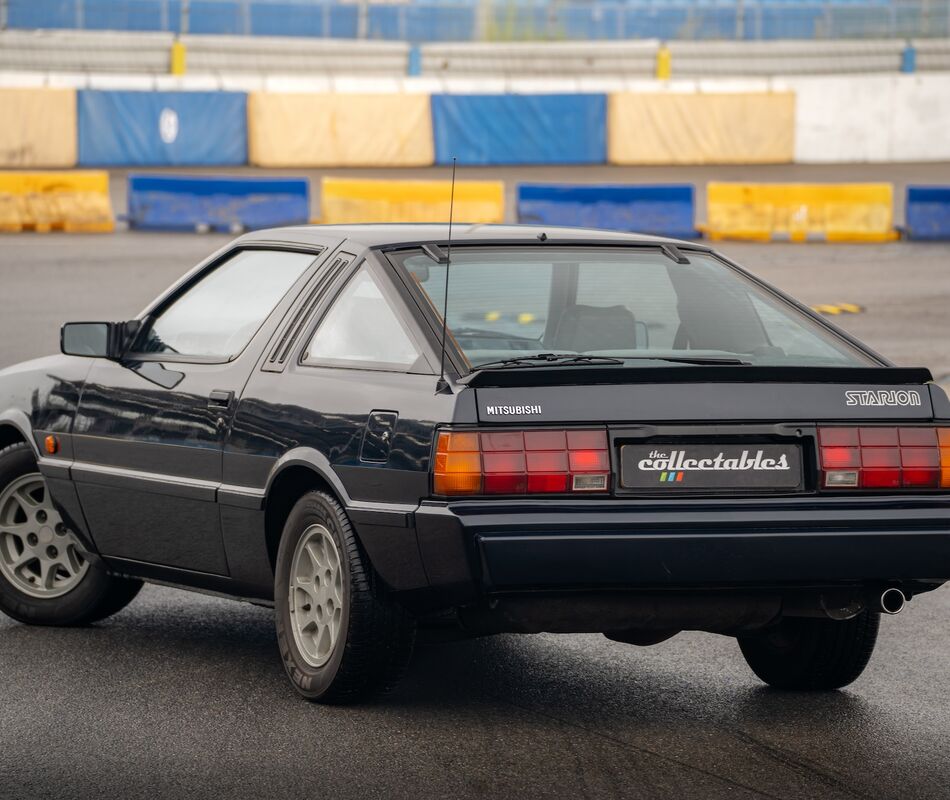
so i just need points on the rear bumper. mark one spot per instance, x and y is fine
(475, 548)
(624, 560)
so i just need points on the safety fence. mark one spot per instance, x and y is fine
(492, 21)
(234, 58)
(884, 118)
(861, 212)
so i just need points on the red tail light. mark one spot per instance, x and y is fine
(884, 458)
(521, 462)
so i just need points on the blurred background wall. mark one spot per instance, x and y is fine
(699, 91)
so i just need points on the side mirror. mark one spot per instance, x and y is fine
(97, 339)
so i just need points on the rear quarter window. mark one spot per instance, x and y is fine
(362, 329)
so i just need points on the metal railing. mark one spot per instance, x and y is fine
(495, 20)
(609, 64)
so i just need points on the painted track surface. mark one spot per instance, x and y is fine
(182, 695)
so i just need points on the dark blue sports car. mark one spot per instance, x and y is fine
(374, 428)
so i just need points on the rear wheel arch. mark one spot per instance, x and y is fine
(374, 634)
(284, 489)
(305, 470)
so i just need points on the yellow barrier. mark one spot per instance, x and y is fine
(74, 202)
(38, 128)
(694, 128)
(834, 212)
(339, 130)
(343, 200)
(664, 63)
(178, 59)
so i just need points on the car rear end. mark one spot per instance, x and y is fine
(799, 496)
(648, 438)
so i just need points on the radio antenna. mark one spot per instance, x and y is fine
(442, 387)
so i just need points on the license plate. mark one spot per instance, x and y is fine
(710, 466)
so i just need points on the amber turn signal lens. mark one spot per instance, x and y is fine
(944, 439)
(51, 443)
(458, 464)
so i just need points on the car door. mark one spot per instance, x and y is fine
(350, 389)
(149, 431)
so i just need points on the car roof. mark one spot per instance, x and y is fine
(394, 234)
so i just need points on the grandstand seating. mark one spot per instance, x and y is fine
(505, 20)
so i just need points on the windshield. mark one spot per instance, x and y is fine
(630, 304)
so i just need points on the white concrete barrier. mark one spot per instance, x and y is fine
(921, 118)
(872, 118)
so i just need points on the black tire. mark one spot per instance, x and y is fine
(97, 595)
(807, 653)
(376, 637)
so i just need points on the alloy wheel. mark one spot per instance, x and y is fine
(39, 555)
(316, 595)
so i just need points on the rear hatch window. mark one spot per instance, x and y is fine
(632, 304)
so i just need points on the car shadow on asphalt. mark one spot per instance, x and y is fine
(689, 705)
(583, 673)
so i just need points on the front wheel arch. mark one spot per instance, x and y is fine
(95, 594)
(12, 433)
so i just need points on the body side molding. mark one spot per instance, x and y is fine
(360, 510)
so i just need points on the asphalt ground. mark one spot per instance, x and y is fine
(182, 695)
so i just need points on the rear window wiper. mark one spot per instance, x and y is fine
(572, 359)
(725, 361)
(547, 360)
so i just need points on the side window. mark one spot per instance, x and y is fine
(219, 315)
(361, 330)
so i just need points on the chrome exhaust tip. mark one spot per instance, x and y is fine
(893, 601)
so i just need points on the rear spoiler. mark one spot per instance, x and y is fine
(628, 373)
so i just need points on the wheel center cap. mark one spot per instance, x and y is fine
(45, 535)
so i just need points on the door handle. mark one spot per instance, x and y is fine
(220, 399)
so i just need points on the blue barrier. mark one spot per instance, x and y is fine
(664, 209)
(178, 202)
(909, 58)
(928, 212)
(162, 128)
(520, 129)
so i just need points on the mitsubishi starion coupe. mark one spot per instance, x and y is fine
(506, 429)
